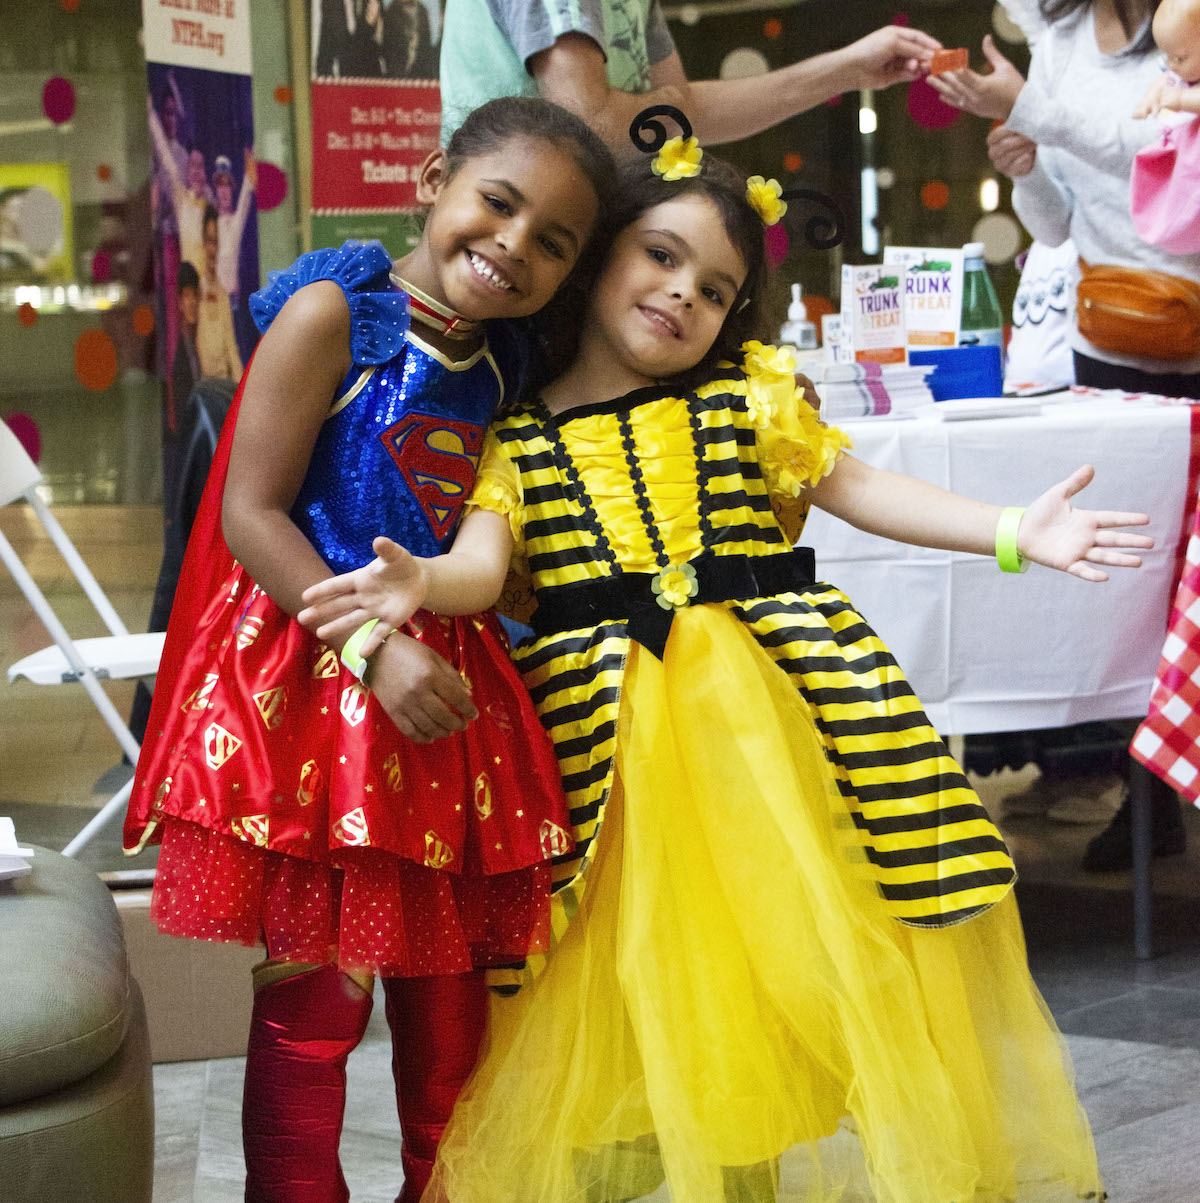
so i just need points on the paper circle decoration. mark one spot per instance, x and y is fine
(101, 267)
(928, 109)
(143, 320)
(283, 94)
(773, 28)
(27, 315)
(272, 187)
(70, 5)
(104, 172)
(28, 434)
(793, 162)
(1006, 28)
(58, 100)
(935, 195)
(777, 243)
(95, 360)
(901, 19)
(1000, 235)
(743, 63)
(39, 220)
(885, 178)
(689, 14)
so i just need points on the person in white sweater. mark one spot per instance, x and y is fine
(1068, 140)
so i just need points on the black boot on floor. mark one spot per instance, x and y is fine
(1112, 849)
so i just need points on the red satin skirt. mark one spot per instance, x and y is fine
(293, 813)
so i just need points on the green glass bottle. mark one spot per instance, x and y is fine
(982, 321)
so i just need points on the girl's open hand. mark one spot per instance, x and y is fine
(391, 587)
(1054, 533)
(992, 95)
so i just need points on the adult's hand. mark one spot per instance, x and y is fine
(1011, 153)
(891, 55)
(992, 95)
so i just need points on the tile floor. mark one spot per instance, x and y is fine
(1134, 1029)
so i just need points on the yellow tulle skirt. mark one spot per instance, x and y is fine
(732, 1017)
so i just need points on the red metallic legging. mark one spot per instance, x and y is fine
(302, 1030)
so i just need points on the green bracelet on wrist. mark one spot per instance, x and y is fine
(352, 656)
(1007, 555)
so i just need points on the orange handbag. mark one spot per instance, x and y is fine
(1131, 311)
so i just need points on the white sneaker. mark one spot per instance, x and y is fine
(1086, 800)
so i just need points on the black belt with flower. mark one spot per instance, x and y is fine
(647, 601)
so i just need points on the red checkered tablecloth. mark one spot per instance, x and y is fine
(1168, 742)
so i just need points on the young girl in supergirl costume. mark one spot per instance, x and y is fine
(788, 963)
(299, 805)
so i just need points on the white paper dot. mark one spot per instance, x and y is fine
(39, 220)
(1000, 235)
(885, 178)
(743, 63)
(689, 14)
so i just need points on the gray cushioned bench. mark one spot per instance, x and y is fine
(76, 1098)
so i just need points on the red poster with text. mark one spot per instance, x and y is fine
(369, 139)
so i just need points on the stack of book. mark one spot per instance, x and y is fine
(864, 390)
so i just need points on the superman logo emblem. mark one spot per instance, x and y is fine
(219, 745)
(438, 854)
(554, 840)
(351, 829)
(437, 457)
(354, 704)
(483, 796)
(326, 665)
(253, 829)
(271, 703)
(310, 783)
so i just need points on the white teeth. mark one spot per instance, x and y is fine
(488, 272)
(662, 321)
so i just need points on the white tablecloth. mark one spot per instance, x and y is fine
(989, 651)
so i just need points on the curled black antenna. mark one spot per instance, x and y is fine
(822, 231)
(650, 135)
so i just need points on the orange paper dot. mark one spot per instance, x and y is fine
(283, 94)
(27, 315)
(70, 5)
(935, 195)
(792, 161)
(143, 320)
(773, 28)
(95, 360)
(817, 306)
(104, 172)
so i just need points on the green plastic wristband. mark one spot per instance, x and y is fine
(1007, 555)
(352, 656)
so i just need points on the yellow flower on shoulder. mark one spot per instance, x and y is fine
(765, 199)
(765, 359)
(679, 159)
(675, 586)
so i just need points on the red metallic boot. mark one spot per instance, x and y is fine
(436, 1024)
(302, 1030)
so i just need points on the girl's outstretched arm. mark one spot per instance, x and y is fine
(1052, 531)
(392, 588)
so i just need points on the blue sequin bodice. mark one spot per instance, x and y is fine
(398, 452)
(397, 456)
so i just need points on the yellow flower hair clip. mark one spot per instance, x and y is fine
(679, 159)
(764, 197)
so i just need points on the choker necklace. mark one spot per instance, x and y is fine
(428, 312)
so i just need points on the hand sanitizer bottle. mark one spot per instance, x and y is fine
(798, 331)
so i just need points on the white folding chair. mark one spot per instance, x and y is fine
(117, 656)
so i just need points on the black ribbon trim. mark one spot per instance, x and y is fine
(628, 596)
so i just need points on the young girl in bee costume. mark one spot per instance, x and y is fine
(788, 963)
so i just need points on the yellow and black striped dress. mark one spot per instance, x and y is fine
(787, 964)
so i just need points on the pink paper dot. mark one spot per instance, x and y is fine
(28, 434)
(928, 109)
(777, 244)
(101, 267)
(900, 19)
(272, 186)
(834, 101)
(58, 100)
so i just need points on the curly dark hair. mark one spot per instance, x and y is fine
(639, 190)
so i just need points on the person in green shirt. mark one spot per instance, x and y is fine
(606, 60)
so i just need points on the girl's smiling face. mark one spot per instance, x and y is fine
(505, 228)
(668, 284)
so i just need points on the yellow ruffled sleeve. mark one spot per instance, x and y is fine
(498, 490)
(795, 448)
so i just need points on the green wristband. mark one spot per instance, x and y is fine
(1007, 555)
(352, 656)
